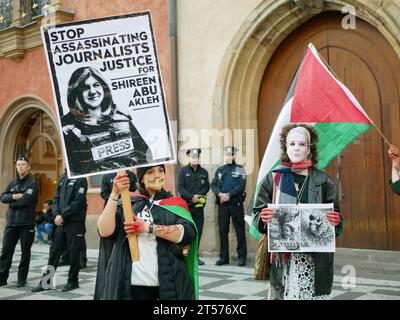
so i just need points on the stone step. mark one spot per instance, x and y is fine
(359, 256)
(369, 262)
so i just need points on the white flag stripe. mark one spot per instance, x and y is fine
(273, 151)
(345, 89)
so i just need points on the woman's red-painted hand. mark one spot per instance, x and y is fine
(333, 217)
(135, 227)
(266, 215)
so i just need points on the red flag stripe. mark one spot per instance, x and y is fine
(319, 98)
(175, 201)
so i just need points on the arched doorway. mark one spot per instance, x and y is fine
(367, 64)
(39, 140)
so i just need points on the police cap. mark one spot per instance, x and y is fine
(230, 150)
(193, 152)
(22, 158)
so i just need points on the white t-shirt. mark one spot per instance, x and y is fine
(145, 271)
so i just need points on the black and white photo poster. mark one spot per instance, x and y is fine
(109, 94)
(301, 228)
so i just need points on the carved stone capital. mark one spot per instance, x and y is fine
(310, 6)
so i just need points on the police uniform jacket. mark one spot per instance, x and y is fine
(191, 182)
(70, 199)
(21, 212)
(230, 179)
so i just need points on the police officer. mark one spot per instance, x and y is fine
(107, 183)
(193, 186)
(229, 185)
(21, 196)
(69, 216)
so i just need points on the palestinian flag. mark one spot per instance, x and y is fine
(178, 206)
(317, 98)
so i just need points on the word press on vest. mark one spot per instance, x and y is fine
(112, 149)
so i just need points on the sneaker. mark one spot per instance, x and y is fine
(70, 286)
(201, 263)
(221, 262)
(82, 265)
(21, 283)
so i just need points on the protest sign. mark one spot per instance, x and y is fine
(109, 94)
(301, 228)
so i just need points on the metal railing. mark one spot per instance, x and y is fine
(29, 9)
(6, 13)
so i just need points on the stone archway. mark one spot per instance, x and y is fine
(11, 122)
(238, 83)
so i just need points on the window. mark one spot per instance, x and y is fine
(6, 13)
(95, 181)
(30, 9)
(20, 22)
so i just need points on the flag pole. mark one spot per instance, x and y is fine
(383, 136)
(337, 77)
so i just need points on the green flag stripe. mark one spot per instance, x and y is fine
(334, 137)
(192, 258)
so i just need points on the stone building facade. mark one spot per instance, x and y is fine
(226, 66)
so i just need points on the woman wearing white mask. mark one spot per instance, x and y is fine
(300, 276)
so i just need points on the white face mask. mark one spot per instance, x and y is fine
(297, 147)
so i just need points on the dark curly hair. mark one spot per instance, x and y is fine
(76, 86)
(313, 141)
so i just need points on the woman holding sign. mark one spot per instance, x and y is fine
(167, 268)
(97, 135)
(298, 275)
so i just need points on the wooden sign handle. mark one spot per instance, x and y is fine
(128, 215)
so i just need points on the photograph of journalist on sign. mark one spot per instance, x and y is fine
(317, 233)
(301, 228)
(99, 136)
(284, 229)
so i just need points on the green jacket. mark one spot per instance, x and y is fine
(395, 186)
(321, 189)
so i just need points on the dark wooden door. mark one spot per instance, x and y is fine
(369, 67)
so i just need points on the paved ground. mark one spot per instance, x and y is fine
(229, 282)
